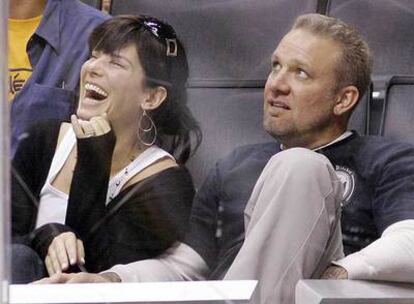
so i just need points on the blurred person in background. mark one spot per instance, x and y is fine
(47, 47)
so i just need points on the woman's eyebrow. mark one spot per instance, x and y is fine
(117, 56)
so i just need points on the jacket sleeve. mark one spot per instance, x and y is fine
(387, 259)
(390, 256)
(203, 221)
(178, 263)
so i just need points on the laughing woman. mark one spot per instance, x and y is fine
(109, 188)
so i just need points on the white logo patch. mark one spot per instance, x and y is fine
(347, 178)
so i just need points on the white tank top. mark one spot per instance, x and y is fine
(53, 202)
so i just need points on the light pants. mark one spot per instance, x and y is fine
(292, 225)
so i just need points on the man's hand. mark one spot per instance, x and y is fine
(81, 277)
(335, 272)
(64, 250)
(96, 126)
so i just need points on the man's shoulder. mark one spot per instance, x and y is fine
(372, 145)
(69, 20)
(84, 12)
(371, 152)
(369, 144)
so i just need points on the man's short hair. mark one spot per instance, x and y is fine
(355, 65)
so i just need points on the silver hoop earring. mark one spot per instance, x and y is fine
(146, 128)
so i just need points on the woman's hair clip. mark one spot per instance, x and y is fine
(171, 47)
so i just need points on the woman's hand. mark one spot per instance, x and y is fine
(96, 126)
(81, 277)
(64, 250)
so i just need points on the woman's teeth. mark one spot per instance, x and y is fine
(95, 92)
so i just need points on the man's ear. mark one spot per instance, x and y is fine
(155, 98)
(347, 99)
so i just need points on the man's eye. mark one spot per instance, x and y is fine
(302, 74)
(276, 66)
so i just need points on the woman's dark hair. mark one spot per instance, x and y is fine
(164, 61)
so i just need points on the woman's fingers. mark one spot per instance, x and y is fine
(80, 252)
(76, 126)
(96, 126)
(100, 124)
(60, 249)
(70, 247)
(82, 128)
(65, 249)
(52, 253)
(49, 266)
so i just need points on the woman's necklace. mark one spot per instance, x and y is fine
(130, 157)
(142, 161)
(114, 188)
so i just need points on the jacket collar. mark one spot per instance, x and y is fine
(49, 27)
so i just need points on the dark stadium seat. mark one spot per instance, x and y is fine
(398, 116)
(387, 25)
(227, 41)
(360, 119)
(229, 118)
(94, 3)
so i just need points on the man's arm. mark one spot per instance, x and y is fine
(179, 263)
(390, 258)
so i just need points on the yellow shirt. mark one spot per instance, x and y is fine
(20, 69)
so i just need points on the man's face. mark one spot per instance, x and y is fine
(299, 94)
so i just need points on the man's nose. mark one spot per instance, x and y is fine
(279, 82)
